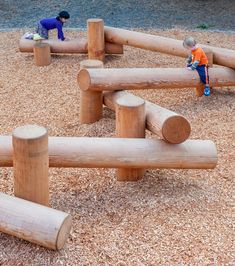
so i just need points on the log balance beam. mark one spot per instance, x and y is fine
(168, 125)
(85, 152)
(34, 222)
(222, 56)
(111, 79)
(75, 46)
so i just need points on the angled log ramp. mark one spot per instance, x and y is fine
(168, 125)
(222, 56)
(33, 222)
(111, 79)
(75, 46)
(121, 153)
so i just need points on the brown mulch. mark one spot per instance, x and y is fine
(171, 217)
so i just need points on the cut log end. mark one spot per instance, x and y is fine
(90, 20)
(64, 232)
(29, 132)
(130, 101)
(176, 129)
(83, 79)
(91, 63)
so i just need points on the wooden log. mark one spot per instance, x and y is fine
(75, 46)
(33, 222)
(200, 87)
(111, 79)
(121, 153)
(31, 163)
(95, 37)
(42, 54)
(222, 56)
(91, 102)
(168, 125)
(130, 123)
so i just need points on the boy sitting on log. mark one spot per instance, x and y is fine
(44, 25)
(198, 61)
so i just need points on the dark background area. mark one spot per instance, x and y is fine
(218, 15)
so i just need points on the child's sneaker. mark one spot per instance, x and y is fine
(28, 35)
(207, 90)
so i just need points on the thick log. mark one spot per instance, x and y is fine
(31, 164)
(33, 222)
(111, 79)
(91, 103)
(75, 46)
(222, 56)
(42, 54)
(124, 153)
(168, 125)
(130, 123)
(95, 37)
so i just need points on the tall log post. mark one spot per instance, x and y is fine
(33, 222)
(42, 54)
(130, 123)
(200, 87)
(31, 163)
(95, 36)
(91, 102)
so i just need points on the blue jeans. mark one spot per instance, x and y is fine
(203, 73)
(43, 32)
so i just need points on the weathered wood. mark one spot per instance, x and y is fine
(91, 103)
(222, 56)
(168, 125)
(111, 79)
(200, 87)
(124, 153)
(42, 54)
(95, 37)
(75, 46)
(33, 222)
(31, 163)
(130, 123)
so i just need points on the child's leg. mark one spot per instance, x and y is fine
(204, 77)
(43, 32)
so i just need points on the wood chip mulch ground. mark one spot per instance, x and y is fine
(171, 217)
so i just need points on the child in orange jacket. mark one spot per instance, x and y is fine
(198, 61)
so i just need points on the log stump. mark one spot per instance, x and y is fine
(42, 54)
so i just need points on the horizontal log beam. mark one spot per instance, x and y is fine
(121, 153)
(168, 125)
(34, 222)
(221, 56)
(111, 79)
(74, 46)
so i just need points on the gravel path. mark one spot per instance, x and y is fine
(219, 15)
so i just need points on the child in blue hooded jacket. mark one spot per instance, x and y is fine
(46, 24)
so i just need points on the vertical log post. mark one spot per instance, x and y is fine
(42, 54)
(130, 123)
(91, 102)
(31, 163)
(201, 86)
(95, 36)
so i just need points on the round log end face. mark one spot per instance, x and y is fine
(92, 20)
(91, 63)
(83, 79)
(63, 233)
(130, 101)
(29, 132)
(176, 129)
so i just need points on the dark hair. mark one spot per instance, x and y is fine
(64, 14)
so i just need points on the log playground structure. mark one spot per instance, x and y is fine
(31, 152)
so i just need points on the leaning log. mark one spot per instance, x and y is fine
(121, 153)
(222, 56)
(168, 125)
(111, 79)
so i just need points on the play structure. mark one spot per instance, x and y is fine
(31, 152)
